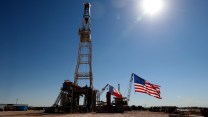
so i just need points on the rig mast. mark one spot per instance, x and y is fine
(84, 62)
(69, 98)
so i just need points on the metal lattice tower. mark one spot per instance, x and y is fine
(84, 62)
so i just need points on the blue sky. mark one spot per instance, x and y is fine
(39, 46)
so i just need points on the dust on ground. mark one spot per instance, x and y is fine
(31, 113)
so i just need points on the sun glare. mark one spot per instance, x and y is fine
(152, 6)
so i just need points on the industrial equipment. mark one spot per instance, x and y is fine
(68, 99)
(129, 89)
(118, 105)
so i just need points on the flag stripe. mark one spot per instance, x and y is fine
(143, 86)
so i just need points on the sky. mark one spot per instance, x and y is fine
(39, 47)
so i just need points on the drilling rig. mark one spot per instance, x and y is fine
(68, 99)
(85, 50)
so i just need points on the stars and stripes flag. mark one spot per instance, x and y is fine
(143, 86)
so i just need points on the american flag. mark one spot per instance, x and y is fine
(143, 86)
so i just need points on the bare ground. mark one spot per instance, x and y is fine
(31, 113)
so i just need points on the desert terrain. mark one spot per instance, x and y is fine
(32, 113)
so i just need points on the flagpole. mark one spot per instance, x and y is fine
(130, 85)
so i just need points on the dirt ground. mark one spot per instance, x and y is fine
(41, 114)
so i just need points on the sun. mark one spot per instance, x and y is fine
(152, 6)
